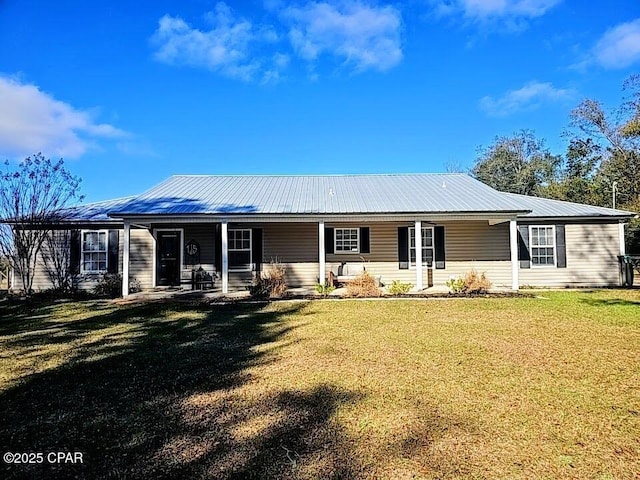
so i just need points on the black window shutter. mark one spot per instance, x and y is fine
(523, 246)
(365, 243)
(112, 257)
(561, 248)
(74, 252)
(217, 260)
(328, 240)
(256, 248)
(403, 248)
(439, 243)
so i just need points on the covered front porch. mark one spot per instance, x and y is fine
(225, 255)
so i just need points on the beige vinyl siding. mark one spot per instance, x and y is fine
(592, 259)
(141, 256)
(290, 242)
(468, 245)
(382, 260)
(294, 245)
(476, 245)
(41, 279)
(592, 251)
(298, 274)
(84, 281)
(4, 279)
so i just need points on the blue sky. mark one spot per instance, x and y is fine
(129, 93)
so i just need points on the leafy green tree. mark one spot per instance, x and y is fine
(617, 132)
(576, 178)
(631, 126)
(518, 164)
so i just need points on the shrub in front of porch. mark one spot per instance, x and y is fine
(324, 289)
(399, 288)
(110, 285)
(471, 284)
(476, 283)
(271, 284)
(363, 285)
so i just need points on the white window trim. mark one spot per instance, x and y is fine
(93, 272)
(155, 250)
(335, 241)
(412, 266)
(531, 246)
(229, 249)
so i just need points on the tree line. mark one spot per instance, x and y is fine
(601, 165)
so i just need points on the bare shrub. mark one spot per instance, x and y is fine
(271, 284)
(476, 283)
(32, 198)
(364, 285)
(110, 285)
(56, 260)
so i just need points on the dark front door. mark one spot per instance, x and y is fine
(168, 258)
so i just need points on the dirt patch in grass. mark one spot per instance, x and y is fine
(480, 388)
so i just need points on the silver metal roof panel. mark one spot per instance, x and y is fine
(322, 194)
(548, 208)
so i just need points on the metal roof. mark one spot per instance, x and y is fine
(96, 211)
(183, 195)
(548, 208)
(325, 194)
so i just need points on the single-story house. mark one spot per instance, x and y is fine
(416, 228)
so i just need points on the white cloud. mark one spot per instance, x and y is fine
(224, 48)
(619, 47)
(33, 121)
(531, 96)
(363, 37)
(514, 13)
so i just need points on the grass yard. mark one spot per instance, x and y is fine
(482, 388)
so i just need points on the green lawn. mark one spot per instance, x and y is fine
(545, 387)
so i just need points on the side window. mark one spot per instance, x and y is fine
(94, 251)
(543, 246)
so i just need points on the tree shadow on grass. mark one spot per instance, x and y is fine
(171, 396)
(607, 302)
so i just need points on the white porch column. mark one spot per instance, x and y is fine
(623, 250)
(513, 245)
(418, 226)
(321, 254)
(225, 257)
(125, 259)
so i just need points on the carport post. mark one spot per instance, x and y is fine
(225, 257)
(513, 246)
(125, 259)
(321, 254)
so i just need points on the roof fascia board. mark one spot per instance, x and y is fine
(314, 218)
(592, 218)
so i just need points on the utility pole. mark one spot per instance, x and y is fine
(614, 188)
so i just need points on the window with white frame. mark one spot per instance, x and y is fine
(427, 246)
(240, 249)
(543, 246)
(94, 251)
(347, 240)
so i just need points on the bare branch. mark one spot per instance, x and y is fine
(33, 197)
